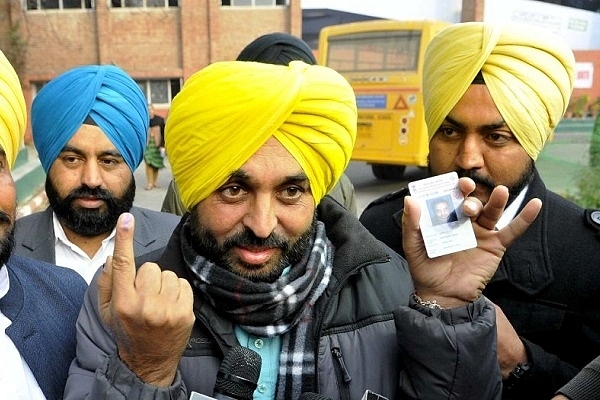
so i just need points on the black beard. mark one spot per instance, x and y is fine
(292, 252)
(7, 242)
(90, 222)
(513, 190)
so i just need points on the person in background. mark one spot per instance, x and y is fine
(266, 260)
(89, 127)
(493, 95)
(275, 48)
(39, 302)
(154, 155)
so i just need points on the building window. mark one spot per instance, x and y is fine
(251, 3)
(59, 4)
(160, 91)
(144, 3)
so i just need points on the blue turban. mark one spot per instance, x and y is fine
(105, 93)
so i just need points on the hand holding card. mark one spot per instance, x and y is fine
(444, 227)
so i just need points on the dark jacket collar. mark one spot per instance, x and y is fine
(526, 263)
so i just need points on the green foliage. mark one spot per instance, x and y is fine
(588, 189)
(588, 186)
(595, 144)
(577, 106)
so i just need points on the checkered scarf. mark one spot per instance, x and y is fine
(284, 307)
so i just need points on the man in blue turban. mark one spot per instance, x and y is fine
(89, 127)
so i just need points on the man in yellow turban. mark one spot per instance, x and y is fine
(493, 95)
(39, 302)
(265, 263)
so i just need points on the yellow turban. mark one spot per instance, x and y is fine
(528, 72)
(228, 110)
(13, 114)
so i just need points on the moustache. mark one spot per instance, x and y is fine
(478, 179)
(87, 192)
(4, 217)
(248, 239)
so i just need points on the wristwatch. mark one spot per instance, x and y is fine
(517, 375)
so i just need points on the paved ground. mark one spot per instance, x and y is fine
(151, 199)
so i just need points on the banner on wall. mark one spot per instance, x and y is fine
(584, 75)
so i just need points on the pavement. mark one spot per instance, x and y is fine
(153, 198)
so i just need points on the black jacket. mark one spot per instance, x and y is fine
(547, 285)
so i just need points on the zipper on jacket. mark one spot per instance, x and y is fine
(337, 354)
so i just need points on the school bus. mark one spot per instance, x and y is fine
(383, 61)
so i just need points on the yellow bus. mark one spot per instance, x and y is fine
(383, 61)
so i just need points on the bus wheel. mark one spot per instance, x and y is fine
(391, 172)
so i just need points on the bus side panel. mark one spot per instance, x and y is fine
(391, 127)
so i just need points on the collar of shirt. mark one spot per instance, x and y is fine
(69, 255)
(4, 283)
(511, 211)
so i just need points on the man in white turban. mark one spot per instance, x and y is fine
(493, 95)
(39, 302)
(266, 262)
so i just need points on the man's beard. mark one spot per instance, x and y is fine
(481, 181)
(7, 242)
(87, 221)
(291, 252)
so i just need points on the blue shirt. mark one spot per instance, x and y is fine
(269, 350)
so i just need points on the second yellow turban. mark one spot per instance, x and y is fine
(529, 73)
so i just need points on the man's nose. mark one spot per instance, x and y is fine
(261, 218)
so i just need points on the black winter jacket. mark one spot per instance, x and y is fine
(547, 285)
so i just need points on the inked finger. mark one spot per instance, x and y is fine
(122, 267)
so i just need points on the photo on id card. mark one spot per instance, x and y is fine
(444, 227)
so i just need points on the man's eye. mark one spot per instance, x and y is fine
(447, 131)
(292, 192)
(70, 159)
(108, 161)
(498, 138)
(232, 191)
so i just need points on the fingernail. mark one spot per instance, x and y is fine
(126, 220)
(471, 206)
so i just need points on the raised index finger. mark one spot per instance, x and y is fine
(123, 260)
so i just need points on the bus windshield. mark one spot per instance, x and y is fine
(375, 51)
(383, 61)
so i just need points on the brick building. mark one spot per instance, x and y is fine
(159, 43)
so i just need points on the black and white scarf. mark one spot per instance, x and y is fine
(284, 307)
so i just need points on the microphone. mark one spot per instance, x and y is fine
(237, 377)
(313, 396)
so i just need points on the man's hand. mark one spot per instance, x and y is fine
(511, 349)
(150, 313)
(455, 279)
